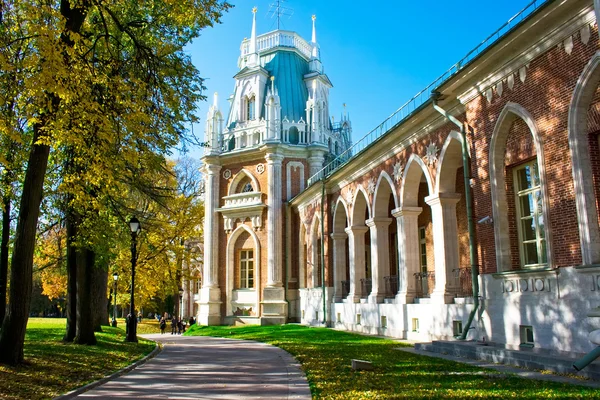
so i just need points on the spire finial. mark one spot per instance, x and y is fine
(216, 99)
(273, 84)
(252, 47)
(314, 31)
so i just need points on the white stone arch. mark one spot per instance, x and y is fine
(384, 176)
(360, 191)
(411, 179)
(450, 160)
(230, 263)
(345, 208)
(510, 113)
(233, 186)
(585, 198)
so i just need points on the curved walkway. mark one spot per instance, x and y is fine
(198, 367)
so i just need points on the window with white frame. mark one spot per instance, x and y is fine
(247, 269)
(250, 103)
(530, 218)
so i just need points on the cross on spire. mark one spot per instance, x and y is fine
(277, 10)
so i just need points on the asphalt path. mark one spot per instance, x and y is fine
(198, 367)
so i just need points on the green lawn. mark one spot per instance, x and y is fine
(53, 367)
(326, 356)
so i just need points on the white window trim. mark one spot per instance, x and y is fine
(244, 283)
(518, 194)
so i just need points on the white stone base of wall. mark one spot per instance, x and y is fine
(555, 304)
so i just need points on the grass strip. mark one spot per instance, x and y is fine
(326, 354)
(53, 367)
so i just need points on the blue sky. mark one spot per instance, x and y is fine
(377, 55)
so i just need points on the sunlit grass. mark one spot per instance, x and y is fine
(53, 367)
(325, 356)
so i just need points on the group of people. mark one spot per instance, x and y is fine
(178, 325)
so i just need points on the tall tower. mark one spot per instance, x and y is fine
(278, 133)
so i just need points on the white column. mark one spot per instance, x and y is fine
(356, 239)
(380, 256)
(210, 295)
(445, 245)
(315, 164)
(274, 219)
(274, 306)
(339, 262)
(408, 251)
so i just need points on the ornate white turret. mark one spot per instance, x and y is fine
(273, 112)
(315, 59)
(214, 128)
(252, 50)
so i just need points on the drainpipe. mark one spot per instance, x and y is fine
(286, 262)
(323, 248)
(587, 359)
(468, 200)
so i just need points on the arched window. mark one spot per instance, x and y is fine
(231, 144)
(247, 188)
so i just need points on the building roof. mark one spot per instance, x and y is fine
(289, 69)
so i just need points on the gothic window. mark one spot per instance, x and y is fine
(530, 219)
(247, 188)
(246, 269)
(231, 144)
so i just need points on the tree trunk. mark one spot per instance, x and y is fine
(12, 336)
(100, 303)
(4, 255)
(71, 278)
(85, 320)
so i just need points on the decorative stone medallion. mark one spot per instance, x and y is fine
(260, 168)
(371, 186)
(431, 154)
(349, 196)
(398, 169)
(227, 174)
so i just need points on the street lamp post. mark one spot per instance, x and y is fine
(135, 227)
(114, 318)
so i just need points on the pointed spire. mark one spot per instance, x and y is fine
(314, 30)
(252, 49)
(315, 62)
(273, 84)
(216, 100)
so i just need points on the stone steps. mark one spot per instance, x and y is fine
(536, 359)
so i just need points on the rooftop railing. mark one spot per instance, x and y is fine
(420, 99)
(278, 38)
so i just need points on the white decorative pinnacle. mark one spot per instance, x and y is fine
(398, 169)
(431, 154)
(371, 186)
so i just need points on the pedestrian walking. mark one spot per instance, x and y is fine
(163, 325)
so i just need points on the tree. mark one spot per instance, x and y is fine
(110, 73)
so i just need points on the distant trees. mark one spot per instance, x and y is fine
(93, 96)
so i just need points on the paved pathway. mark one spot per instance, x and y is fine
(197, 367)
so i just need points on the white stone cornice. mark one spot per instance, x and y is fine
(443, 198)
(357, 229)
(378, 221)
(406, 211)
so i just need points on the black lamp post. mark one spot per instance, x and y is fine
(135, 227)
(114, 318)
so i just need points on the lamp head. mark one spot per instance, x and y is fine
(115, 276)
(134, 225)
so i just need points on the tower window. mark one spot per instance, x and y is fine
(250, 108)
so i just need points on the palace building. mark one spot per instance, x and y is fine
(490, 175)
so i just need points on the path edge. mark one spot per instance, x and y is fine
(75, 392)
